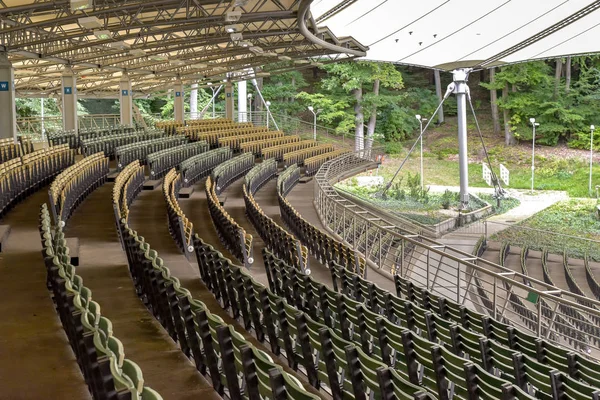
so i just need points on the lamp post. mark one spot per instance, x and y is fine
(268, 103)
(312, 110)
(250, 105)
(592, 127)
(421, 120)
(533, 125)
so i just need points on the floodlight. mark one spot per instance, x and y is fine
(256, 49)
(77, 5)
(236, 37)
(230, 28)
(102, 35)
(311, 108)
(532, 120)
(119, 45)
(285, 58)
(592, 127)
(90, 22)
(418, 117)
(268, 104)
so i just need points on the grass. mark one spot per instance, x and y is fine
(574, 217)
(551, 174)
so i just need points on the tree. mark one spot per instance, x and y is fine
(354, 78)
(494, 101)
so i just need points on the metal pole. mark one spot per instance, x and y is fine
(533, 124)
(213, 100)
(460, 81)
(315, 126)
(591, 156)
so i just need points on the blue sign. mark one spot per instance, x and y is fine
(68, 90)
(125, 92)
(4, 86)
(177, 94)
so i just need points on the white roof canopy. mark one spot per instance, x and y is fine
(446, 34)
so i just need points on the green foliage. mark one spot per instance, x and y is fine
(30, 107)
(334, 110)
(534, 92)
(281, 90)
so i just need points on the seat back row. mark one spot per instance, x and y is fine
(180, 227)
(74, 184)
(24, 175)
(256, 147)
(215, 347)
(212, 135)
(232, 235)
(392, 336)
(331, 363)
(320, 244)
(126, 188)
(277, 151)
(163, 160)
(75, 138)
(235, 141)
(170, 127)
(99, 353)
(277, 239)
(9, 149)
(197, 167)
(497, 347)
(298, 156)
(312, 164)
(199, 129)
(109, 143)
(140, 150)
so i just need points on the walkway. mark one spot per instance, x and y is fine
(36, 361)
(103, 267)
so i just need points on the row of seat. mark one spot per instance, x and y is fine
(193, 130)
(572, 329)
(237, 369)
(197, 167)
(389, 337)
(9, 149)
(277, 239)
(99, 353)
(21, 176)
(163, 160)
(536, 365)
(180, 227)
(256, 147)
(74, 138)
(320, 244)
(109, 143)
(75, 183)
(313, 345)
(278, 150)
(213, 136)
(232, 235)
(225, 174)
(298, 156)
(170, 127)
(235, 141)
(312, 164)
(126, 188)
(139, 150)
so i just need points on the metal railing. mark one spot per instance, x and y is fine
(504, 293)
(38, 127)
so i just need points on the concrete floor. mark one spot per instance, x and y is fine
(36, 361)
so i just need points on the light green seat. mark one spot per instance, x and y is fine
(150, 394)
(134, 373)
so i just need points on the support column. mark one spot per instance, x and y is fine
(460, 81)
(229, 100)
(438, 92)
(8, 109)
(194, 101)
(126, 101)
(179, 106)
(69, 101)
(242, 105)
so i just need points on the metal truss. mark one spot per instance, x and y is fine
(156, 43)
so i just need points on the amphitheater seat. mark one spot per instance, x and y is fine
(197, 167)
(163, 160)
(139, 150)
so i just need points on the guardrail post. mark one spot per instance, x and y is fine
(494, 298)
(380, 250)
(458, 284)
(402, 258)
(539, 315)
(427, 272)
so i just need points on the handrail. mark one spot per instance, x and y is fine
(434, 261)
